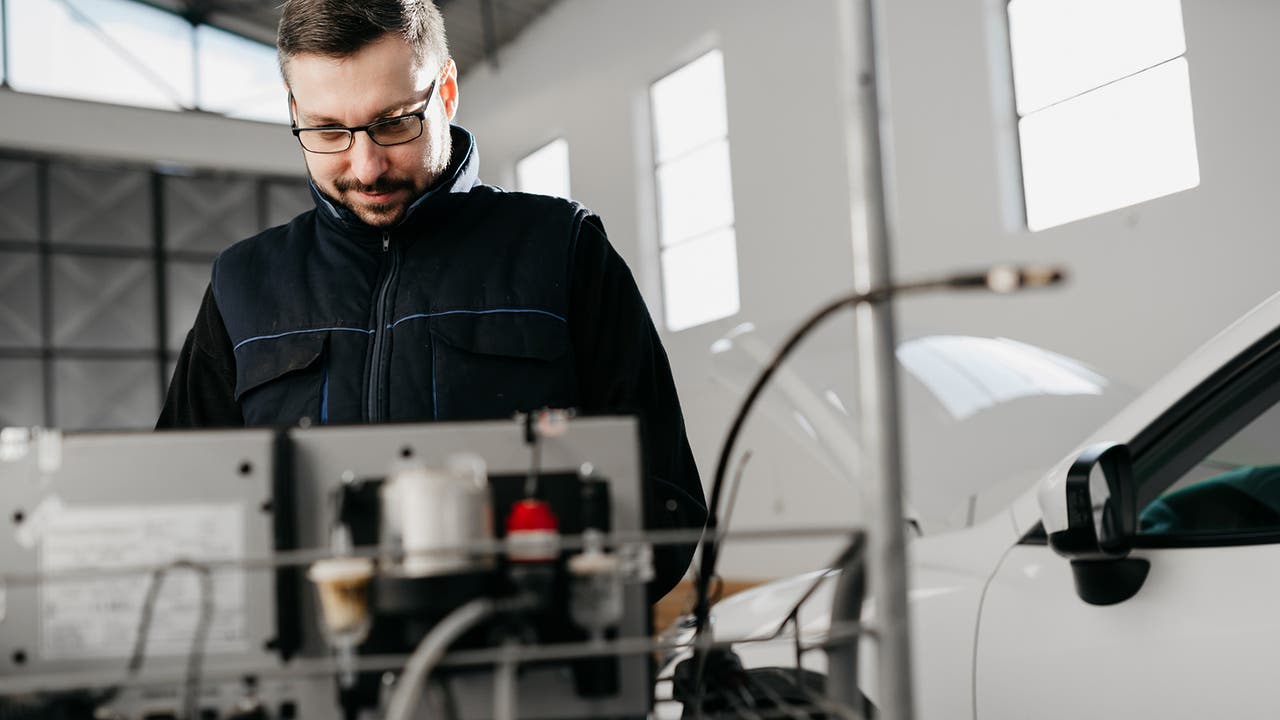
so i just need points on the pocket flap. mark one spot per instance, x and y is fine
(262, 361)
(524, 334)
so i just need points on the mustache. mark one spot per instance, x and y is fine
(381, 185)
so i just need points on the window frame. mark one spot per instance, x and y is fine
(1018, 117)
(1228, 400)
(656, 164)
(542, 147)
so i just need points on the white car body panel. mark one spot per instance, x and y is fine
(1201, 639)
(1047, 501)
(999, 633)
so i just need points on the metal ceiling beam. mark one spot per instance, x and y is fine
(489, 25)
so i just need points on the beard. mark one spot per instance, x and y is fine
(407, 187)
(379, 215)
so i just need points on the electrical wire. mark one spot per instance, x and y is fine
(737, 485)
(851, 551)
(1003, 279)
(195, 655)
(432, 648)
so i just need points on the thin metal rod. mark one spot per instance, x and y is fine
(301, 558)
(871, 181)
(326, 666)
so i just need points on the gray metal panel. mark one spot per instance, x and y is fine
(100, 206)
(117, 473)
(208, 214)
(185, 285)
(611, 445)
(286, 201)
(21, 393)
(19, 299)
(103, 303)
(106, 394)
(19, 219)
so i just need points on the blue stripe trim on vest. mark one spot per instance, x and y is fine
(324, 397)
(242, 343)
(435, 399)
(391, 326)
(506, 311)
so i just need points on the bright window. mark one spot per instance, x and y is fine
(1104, 98)
(107, 50)
(239, 77)
(545, 171)
(131, 53)
(698, 246)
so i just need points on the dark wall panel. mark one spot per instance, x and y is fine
(208, 214)
(100, 206)
(19, 219)
(104, 303)
(20, 299)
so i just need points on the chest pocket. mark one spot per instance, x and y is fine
(282, 380)
(493, 365)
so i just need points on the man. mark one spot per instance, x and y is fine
(414, 292)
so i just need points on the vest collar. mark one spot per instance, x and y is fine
(461, 176)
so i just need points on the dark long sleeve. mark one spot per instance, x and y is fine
(623, 368)
(202, 391)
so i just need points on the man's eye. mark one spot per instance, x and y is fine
(331, 135)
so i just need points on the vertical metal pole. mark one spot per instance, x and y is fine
(4, 44)
(868, 143)
(44, 188)
(161, 282)
(489, 24)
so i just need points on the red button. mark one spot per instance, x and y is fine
(530, 514)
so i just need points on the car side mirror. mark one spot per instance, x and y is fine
(1101, 521)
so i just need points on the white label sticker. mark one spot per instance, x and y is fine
(98, 618)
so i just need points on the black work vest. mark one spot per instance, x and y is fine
(459, 312)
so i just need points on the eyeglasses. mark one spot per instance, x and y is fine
(385, 132)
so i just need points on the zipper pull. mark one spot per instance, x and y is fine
(386, 241)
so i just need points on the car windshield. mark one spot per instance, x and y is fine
(983, 417)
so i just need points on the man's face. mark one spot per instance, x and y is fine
(382, 80)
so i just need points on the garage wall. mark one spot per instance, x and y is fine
(1150, 283)
(583, 72)
(104, 211)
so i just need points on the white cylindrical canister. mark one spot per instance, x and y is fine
(437, 514)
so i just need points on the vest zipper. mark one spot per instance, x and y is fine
(376, 409)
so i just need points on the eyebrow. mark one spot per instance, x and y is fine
(322, 120)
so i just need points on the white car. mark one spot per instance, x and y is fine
(1138, 578)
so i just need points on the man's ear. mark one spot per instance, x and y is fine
(449, 89)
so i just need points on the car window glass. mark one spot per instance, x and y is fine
(1233, 490)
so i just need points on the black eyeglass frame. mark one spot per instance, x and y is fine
(421, 115)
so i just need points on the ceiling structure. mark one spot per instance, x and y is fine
(478, 29)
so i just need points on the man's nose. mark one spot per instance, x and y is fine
(368, 159)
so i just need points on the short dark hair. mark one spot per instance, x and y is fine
(341, 28)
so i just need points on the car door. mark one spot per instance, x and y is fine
(1201, 637)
